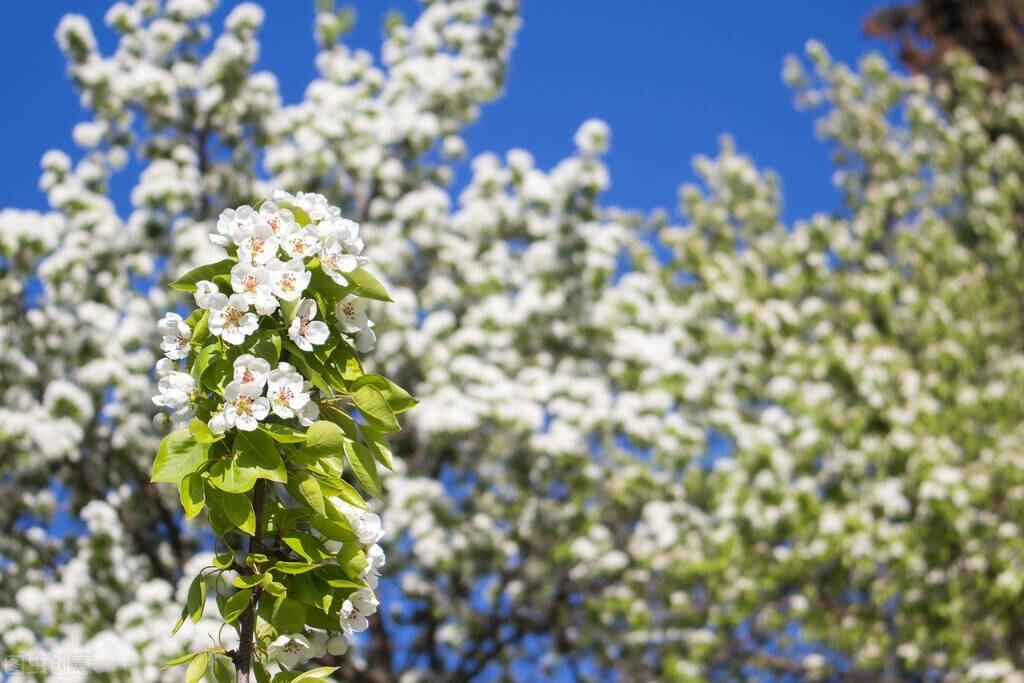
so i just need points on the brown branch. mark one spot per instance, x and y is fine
(243, 657)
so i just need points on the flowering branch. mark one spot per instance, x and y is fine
(270, 453)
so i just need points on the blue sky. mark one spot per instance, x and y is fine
(669, 76)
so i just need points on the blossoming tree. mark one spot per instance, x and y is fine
(649, 447)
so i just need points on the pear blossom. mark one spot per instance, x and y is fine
(335, 260)
(218, 422)
(230, 319)
(288, 279)
(309, 413)
(176, 336)
(361, 604)
(285, 391)
(351, 314)
(234, 226)
(176, 393)
(259, 246)
(337, 644)
(251, 372)
(291, 650)
(301, 243)
(253, 283)
(244, 407)
(205, 291)
(366, 525)
(304, 330)
(281, 220)
(366, 339)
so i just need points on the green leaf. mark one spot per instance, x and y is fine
(342, 419)
(344, 357)
(218, 375)
(192, 492)
(249, 581)
(201, 330)
(195, 603)
(336, 577)
(288, 616)
(238, 509)
(307, 546)
(352, 559)
(178, 456)
(201, 432)
(275, 588)
(224, 560)
(177, 661)
(260, 672)
(324, 439)
(335, 530)
(288, 309)
(235, 605)
(378, 445)
(197, 667)
(340, 488)
(223, 669)
(265, 344)
(181, 620)
(206, 356)
(318, 674)
(309, 487)
(283, 433)
(294, 567)
(256, 452)
(397, 398)
(362, 283)
(374, 408)
(363, 466)
(187, 282)
(224, 475)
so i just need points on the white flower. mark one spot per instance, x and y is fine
(288, 279)
(260, 246)
(165, 366)
(291, 650)
(366, 339)
(364, 523)
(176, 390)
(234, 225)
(309, 414)
(218, 423)
(251, 372)
(305, 331)
(244, 406)
(301, 243)
(351, 313)
(336, 259)
(281, 221)
(230, 320)
(337, 644)
(285, 391)
(253, 283)
(176, 336)
(355, 610)
(375, 559)
(318, 642)
(205, 291)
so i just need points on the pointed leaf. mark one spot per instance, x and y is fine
(178, 456)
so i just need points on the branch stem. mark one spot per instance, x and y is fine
(243, 657)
